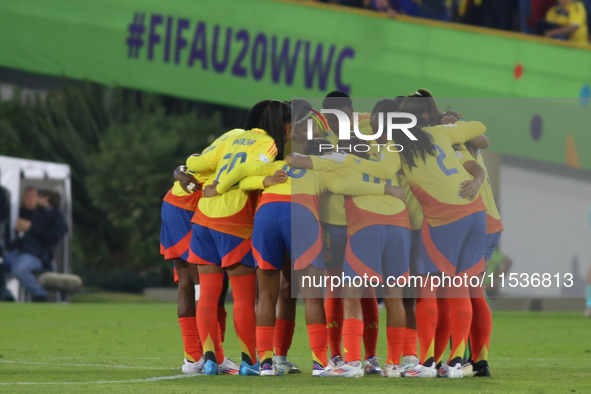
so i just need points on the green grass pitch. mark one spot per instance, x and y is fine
(128, 347)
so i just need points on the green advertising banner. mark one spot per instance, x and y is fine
(237, 52)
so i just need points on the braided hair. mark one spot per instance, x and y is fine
(418, 104)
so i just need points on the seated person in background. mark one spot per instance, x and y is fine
(566, 21)
(39, 230)
(4, 221)
(538, 11)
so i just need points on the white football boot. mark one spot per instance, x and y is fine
(392, 371)
(193, 368)
(372, 366)
(228, 367)
(345, 370)
(445, 371)
(421, 371)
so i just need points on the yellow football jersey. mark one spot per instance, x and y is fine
(436, 181)
(332, 206)
(233, 211)
(493, 218)
(177, 196)
(571, 14)
(415, 211)
(303, 186)
(365, 210)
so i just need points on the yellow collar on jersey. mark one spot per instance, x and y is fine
(259, 131)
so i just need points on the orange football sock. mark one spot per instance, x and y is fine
(318, 342)
(371, 320)
(244, 292)
(190, 334)
(265, 343)
(207, 322)
(461, 320)
(396, 337)
(480, 329)
(410, 343)
(283, 336)
(352, 334)
(426, 315)
(222, 314)
(333, 308)
(443, 331)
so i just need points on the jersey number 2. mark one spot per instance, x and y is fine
(440, 158)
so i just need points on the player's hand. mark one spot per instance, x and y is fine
(188, 182)
(337, 157)
(288, 159)
(455, 114)
(23, 225)
(210, 190)
(448, 119)
(469, 189)
(395, 191)
(279, 177)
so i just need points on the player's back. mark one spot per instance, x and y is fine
(493, 217)
(436, 180)
(233, 211)
(363, 211)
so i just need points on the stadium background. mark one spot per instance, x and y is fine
(102, 87)
(217, 58)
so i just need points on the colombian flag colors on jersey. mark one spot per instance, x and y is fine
(303, 186)
(415, 211)
(232, 212)
(436, 181)
(180, 198)
(493, 218)
(365, 210)
(332, 206)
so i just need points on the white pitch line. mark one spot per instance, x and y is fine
(85, 365)
(155, 379)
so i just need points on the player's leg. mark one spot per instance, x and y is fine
(175, 236)
(285, 321)
(334, 244)
(395, 263)
(481, 327)
(268, 291)
(439, 248)
(235, 256)
(187, 318)
(395, 330)
(222, 313)
(269, 253)
(315, 317)
(443, 330)
(409, 351)
(243, 282)
(470, 263)
(360, 260)
(204, 253)
(371, 322)
(305, 243)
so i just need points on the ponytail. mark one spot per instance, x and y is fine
(416, 105)
(254, 115)
(273, 121)
(426, 103)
